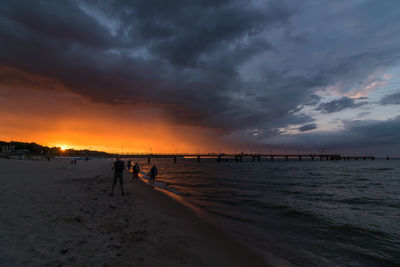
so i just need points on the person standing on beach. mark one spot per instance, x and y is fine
(135, 171)
(153, 174)
(118, 167)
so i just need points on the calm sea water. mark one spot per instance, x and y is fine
(309, 213)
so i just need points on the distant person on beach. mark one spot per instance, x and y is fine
(118, 167)
(135, 171)
(153, 174)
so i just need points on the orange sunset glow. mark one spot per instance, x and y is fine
(53, 116)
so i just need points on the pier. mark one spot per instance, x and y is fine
(246, 157)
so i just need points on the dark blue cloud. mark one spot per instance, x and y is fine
(392, 99)
(358, 137)
(308, 127)
(340, 104)
(223, 65)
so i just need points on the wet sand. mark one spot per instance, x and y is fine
(57, 214)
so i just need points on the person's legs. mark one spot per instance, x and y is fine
(121, 183)
(114, 182)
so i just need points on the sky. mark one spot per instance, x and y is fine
(202, 76)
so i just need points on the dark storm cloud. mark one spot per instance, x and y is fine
(392, 99)
(225, 65)
(178, 56)
(358, 137)
(308, 127)
(339, 105)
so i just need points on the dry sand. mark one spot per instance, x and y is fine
(57, 214)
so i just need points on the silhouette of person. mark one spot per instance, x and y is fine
(118, 167)
(153, 174)
(129, 165)
(135, 171)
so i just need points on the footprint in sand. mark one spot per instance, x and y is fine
(63, 251)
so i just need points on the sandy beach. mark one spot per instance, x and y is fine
(57, 214)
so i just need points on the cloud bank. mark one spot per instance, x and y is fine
(227, 66)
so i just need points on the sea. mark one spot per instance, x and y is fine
(307, 213)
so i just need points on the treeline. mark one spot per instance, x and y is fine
(36, 149)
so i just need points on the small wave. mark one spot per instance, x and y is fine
(377, 169)
(187, 172)
(290, 192)
(376, 184)
(231, 203)
(352, 232)
(187, 184)
(301, 215)
(251, 202)
(379, 259)
(359, 200)
(232, 217)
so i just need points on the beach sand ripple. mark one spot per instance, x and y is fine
(56, 214)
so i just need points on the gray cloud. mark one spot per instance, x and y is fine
(392, 99)
(374, 137)
(339, 105)
(362, 114)
(308, 127)
(224, 65)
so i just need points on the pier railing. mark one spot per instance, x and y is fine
(247, 157)
(227, 157)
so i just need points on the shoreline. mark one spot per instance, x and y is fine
(60, 214)
(269, 259)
